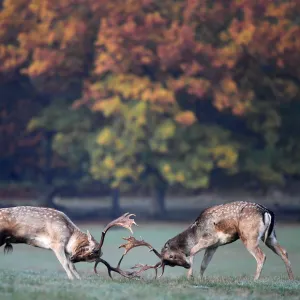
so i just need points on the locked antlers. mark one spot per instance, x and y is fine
(123, 221)
(126, 222)
(133, 243)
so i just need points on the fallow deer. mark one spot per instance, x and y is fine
(220, 225)
(51, 229)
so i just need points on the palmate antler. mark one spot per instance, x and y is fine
(144, 268)
(123, 221)
(133, 243)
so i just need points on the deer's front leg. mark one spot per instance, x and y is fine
(202, 244)
(190, 271)
(73, 270)
(209, 252)
(59, 251)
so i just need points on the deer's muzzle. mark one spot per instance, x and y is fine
(169, 263)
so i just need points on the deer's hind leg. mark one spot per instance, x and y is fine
(2, 239)
(273, 244)
(259, 256)
(251, 234)
(8, 248)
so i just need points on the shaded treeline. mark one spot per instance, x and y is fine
(149, 95)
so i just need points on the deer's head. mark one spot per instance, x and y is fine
(173, 256)
(92, 251)
(87, 249)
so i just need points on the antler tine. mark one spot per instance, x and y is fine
(126, 222)
(117, 270)
(162, 270)
(156, 252)
(144, 268)
(123, 221)
(133, 243)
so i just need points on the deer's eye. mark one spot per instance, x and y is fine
(171, 256)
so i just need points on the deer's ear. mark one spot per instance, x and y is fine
(90, 238)
(167, 246)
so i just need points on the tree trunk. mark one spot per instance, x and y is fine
(46, 190)
(115, 209)
(158, 209)
(46, 195)
(48, 175)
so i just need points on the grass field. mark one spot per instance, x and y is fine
(32, 273)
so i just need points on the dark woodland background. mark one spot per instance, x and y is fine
(157, 107)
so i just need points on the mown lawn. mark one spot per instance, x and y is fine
(32, 273)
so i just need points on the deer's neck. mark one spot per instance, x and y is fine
(77, 243)
(185, 240)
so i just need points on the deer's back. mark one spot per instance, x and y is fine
(23, 222)
(225, 219)
(232, 210)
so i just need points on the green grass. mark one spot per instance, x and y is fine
(32, 273)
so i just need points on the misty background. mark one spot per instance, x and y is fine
(160, 108)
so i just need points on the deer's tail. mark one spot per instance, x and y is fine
(269, 220)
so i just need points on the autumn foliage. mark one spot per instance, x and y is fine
(158, 91)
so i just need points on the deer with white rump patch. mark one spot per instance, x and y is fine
(51, 229)
(217, 226)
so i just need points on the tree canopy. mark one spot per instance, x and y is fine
(157, 92)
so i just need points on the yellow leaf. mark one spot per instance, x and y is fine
(179, 177)
(109, 162)
(245, 36)
(225, 156)
(186, 118)
(108, 106)
(166, 168)
(119, 145)
(229, 86)
(105, 137)
(123, 172)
